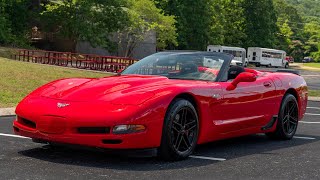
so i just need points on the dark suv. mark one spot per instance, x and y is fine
(307, 60)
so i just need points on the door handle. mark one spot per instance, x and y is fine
(267, 84)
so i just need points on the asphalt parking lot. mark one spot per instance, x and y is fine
(251, 157)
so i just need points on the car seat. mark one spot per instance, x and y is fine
(188, 68)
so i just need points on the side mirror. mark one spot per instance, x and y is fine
(242, 77)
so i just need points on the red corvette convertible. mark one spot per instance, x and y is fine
(169, 101)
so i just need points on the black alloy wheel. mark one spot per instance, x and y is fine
(183, 130)
(180, 131)
(287, 119)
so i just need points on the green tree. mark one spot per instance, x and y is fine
(145, 18)
(297, 50)
(233, 23)
(14, 22)
(86, 20)
(312, 46)
(5, 29)
(290, 24)
(194, 21)
(284, 36)
(260, 20)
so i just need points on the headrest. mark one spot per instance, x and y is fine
(188, 68)
(234, 71)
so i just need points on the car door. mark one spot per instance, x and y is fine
(248, 106)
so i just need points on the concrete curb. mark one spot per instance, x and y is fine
(314, 99)
(7, 111)
(11, 111)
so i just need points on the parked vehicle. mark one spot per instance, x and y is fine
(168, 102)
(290, 59)
(239, 54)
(267, 57)
(307, 60)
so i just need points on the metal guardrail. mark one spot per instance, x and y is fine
(81, 61)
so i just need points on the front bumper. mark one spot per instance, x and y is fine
(128, 141)
(43, 121)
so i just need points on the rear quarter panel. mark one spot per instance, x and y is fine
(294, 84)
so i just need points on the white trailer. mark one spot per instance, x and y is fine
(238, 53)
(267, 57)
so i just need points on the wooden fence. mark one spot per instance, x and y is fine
(75, 60)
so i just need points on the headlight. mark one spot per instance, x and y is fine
(128, 129)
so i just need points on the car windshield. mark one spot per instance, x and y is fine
(191, 66)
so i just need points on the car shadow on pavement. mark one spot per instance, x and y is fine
(228, 149)
(250, 145)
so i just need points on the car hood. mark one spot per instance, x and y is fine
(137, 88)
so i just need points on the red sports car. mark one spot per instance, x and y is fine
(169, 101)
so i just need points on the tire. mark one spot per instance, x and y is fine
(257, 65)
(287, 119)
(286, 66)
(180, 131)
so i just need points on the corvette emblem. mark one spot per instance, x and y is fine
(62, 105)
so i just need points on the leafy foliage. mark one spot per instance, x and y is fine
(260, 17)
(306, 28)
(194, 21)
(86, 20)
(290, 25)
(14, 25)
(146, 18)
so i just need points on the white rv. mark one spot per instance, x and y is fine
(238, 53)
(267, 57)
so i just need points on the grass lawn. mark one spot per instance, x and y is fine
(314, 93)
(314, 65)
(17, 79)
(7, 52)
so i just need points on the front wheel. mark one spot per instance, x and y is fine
(180, 131)
(287, 119)
(286, 66)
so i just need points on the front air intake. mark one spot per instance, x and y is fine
(27, 122)
(112, 141)
(93, 130)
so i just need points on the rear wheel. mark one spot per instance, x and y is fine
(287, 119)
(180, 131)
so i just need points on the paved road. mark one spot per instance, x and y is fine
(251, 157)
(312, 77)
